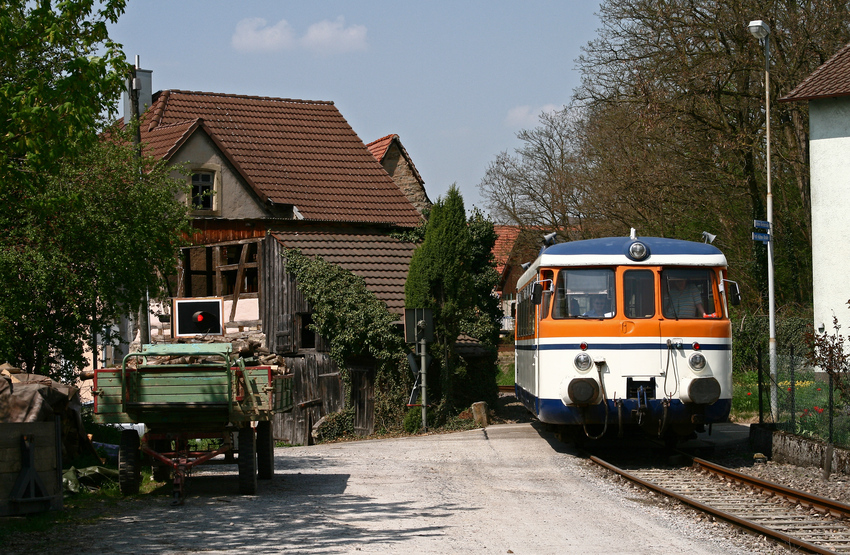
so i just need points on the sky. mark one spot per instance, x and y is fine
(455, 80)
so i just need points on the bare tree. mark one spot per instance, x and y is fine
(537, 186)
(666, 132)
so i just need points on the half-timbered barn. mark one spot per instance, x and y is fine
(264, 174)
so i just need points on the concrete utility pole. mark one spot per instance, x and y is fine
(134, 85)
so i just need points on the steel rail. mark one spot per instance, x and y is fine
(820, 504)
(743, 522)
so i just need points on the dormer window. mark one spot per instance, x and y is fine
(205, 199)
(203, 190)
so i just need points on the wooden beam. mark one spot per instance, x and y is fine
(240, 274)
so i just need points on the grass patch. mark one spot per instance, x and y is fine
(506, 374)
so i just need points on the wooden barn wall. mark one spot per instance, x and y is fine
(280, 301)
(207, 232)
(317, 391)
(317, 388)
(363, 399)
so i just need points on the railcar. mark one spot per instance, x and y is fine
(625, 333)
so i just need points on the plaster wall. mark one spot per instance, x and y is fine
(235, 199)
(829, 156)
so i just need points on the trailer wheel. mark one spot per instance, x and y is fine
(265, 451)
(247, 461)
(129, 475)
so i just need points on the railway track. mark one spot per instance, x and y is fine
(792, 517)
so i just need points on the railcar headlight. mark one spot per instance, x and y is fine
(697, 361)
(583, 362)
(638, 251)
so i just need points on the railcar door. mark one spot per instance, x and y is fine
(641, 331)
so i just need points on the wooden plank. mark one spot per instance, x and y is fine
(188, 380)
(44, 460)
(209, 272)
(219, 288)
(189, 396)
(237, 287)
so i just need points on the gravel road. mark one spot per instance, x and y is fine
(505, 489)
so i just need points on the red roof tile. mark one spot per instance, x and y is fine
(382, 261)
(379, 147)
(506, 236)
(831, 79)
(297, 152)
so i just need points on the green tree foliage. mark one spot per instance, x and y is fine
(59, 74)
(85, 225)
(355, 324)
(349, 316)
(77, 266)
(452, 273)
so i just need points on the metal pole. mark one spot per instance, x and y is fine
(761, 384)
(423, 373)
(831, 410)
(793, 395)
(774, 388)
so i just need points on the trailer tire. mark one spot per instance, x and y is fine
(265, 451)
(247, 461)
(129, 476)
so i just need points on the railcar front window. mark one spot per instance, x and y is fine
(639, 293)
(688, 293)
(585, 293)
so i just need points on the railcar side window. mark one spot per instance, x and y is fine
(585, 293)
(525, 313)
(688, 293)
(639, 293)
(547, 277)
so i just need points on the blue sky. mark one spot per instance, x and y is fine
(455, 80)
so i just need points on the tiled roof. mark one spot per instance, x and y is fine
(379, 148)
(291, 152)
(829, 80)
(506, 236)
(379, 259)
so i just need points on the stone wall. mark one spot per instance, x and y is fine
(783, 447)
(404, 176)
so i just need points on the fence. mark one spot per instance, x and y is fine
(807, 401)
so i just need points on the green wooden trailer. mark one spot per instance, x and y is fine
(197, 401)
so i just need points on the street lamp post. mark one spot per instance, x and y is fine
(760, 30)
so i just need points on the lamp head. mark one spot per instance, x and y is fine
(759, 29)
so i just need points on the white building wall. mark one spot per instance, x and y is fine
(829, 155)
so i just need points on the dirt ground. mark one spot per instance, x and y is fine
(507, 488)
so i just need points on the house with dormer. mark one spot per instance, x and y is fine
(264, 174)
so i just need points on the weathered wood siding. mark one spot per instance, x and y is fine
(46, 465)
(317, 388)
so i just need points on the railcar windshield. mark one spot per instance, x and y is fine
(688, 293)
(585, 293)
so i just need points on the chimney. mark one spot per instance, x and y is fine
(143, 83)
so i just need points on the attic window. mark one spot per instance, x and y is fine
(203, 191)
